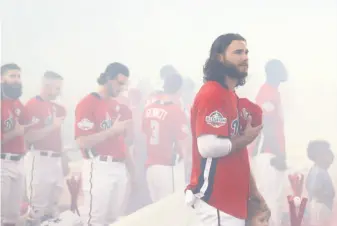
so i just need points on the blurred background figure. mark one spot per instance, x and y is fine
(319, 183)
(164, 124)
(272, 139)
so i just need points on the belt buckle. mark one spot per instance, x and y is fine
(55, 154)
(44, 153)
(103, 158)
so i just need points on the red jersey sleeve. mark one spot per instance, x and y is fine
(211, 116)
(248, 108)
(84, 118)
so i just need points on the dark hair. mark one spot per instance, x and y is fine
(317, 148)
(254, 208)
(52, 75)
(111, 72)
(214, 70)
(167, 70)
(274, 69)
(7, 67)
(172, 83)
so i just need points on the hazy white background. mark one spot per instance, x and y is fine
(79, 38)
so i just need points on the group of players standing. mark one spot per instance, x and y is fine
(104, 132)
(213, 142)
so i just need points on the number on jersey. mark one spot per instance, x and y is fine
(154, 139)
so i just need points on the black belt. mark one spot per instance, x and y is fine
(12, 157)
(92, 153)
(53, 155)
(105, 158)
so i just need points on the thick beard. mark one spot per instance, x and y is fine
(236, 73)
(12, 91)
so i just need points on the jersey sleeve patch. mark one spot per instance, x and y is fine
(216, 119)
(85, 124)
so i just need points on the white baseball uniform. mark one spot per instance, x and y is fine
(12, 168)
(104, 173)
(44, 175)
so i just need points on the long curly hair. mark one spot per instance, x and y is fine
(214, 70)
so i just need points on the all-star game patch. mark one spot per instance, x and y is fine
(216, 119)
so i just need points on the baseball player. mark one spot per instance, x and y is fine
(12, 144)
(98, 128)
(44, 178)
(164, 124)
(221, 182)
(269, 99)
(187, 91)
(165, 71)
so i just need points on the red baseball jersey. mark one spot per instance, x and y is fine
(163, 123)
(93, 115)
(12, 111)
(221, 182)
(42, 114)
(269, 99)
(248, 108)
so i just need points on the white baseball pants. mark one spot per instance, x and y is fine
(12, 189)
(210, 216)
(104, 188)
(44, 182)
(160, 181)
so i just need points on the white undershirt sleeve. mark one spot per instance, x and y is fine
(212, 146)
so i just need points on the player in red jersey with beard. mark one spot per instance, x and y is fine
(12, 144)
(221, 182)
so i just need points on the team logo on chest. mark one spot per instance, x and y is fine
(216, 119)
(244, 113)
(9, 122)
(49, 119)
(107, 122)
(17, 112)
(235, 125)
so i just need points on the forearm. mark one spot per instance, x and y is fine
(87, 142)
(8, 136)
(239, 143)
(39, 134)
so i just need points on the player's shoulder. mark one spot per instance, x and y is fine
(88, 101)
(33, 100)
(210, 92)
(211, 88)
(245, 103)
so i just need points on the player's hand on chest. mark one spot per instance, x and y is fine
(11, 116)
(47, 115)
(106, 116)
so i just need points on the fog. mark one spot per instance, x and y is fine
(79, 38)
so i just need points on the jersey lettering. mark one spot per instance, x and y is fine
(154, 140)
